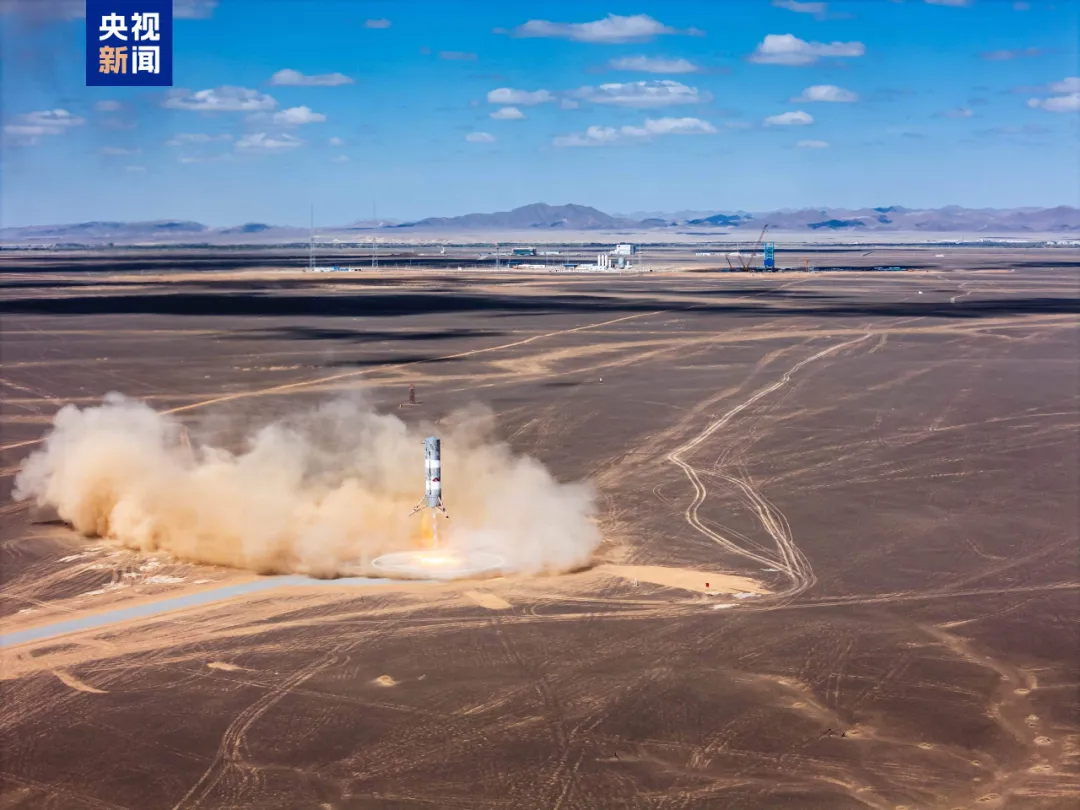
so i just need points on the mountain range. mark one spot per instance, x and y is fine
(541, 218)
(538, 215)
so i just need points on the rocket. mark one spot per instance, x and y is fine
(432, 477)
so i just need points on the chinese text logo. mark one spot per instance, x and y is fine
(129, 43)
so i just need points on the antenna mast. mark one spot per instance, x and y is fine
(311, 242)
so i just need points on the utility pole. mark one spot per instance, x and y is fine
(311, 242)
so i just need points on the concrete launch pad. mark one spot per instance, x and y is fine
(442, 564)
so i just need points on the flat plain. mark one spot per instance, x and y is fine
(883, 465)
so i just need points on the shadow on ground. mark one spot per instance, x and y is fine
(406, 304)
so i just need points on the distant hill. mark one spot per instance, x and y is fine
(369, 224)
(250, 227)
(1062, 219)
(155, 232)
(538, 215)
(837, 223)
(104, 231)
(723, 220)
(540, 218)
(895, 218)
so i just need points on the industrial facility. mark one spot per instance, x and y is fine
(617, 259)
(623, 257)
(746, 260)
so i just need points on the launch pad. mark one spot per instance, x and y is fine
(438, 563)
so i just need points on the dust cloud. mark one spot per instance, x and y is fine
(320, 492)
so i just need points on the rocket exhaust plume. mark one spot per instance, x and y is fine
(312, 493)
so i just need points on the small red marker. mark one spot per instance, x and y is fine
(706, 584)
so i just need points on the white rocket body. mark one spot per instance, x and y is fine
(433, 472)
(432, 476)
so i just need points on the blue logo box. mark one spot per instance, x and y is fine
(129, 43)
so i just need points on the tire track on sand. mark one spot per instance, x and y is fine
(229, 761)
(791, 561)
(276, 389)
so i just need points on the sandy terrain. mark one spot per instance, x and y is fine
(685, 580)
(876, 475)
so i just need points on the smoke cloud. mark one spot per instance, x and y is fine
(320, 493)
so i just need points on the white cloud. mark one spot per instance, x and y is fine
(670, 126)
(1067, 100)
(297, 116)
(118, 150)
(45, 9)
(789, 119)
(651, 64)
(261, 142)
(788, 49)
(1070, 84)
(1027, 129)
(593, 136)
(827, 92)
(220, 99)
(381, 23)
(526, 98)
(657, 93)
(457, 56)
(956, 3)
(1018, 53)
(76, 9)
(108, 105)
(294, 78)
(568, 104)
(135, 168)
(184, 138)
(813, 144)
(204, 158)
(340, 159)
(480, 137)
(30, 131)
(508, 114)
(817, 9)
(27, 129)
(1067, 103)
(194, 9)
(957, 112)
(336, 141)
(610, 30)
(651, 128)
(51, 122)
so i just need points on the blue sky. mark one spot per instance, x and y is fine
(642, 106)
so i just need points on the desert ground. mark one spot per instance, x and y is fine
(840, 562)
